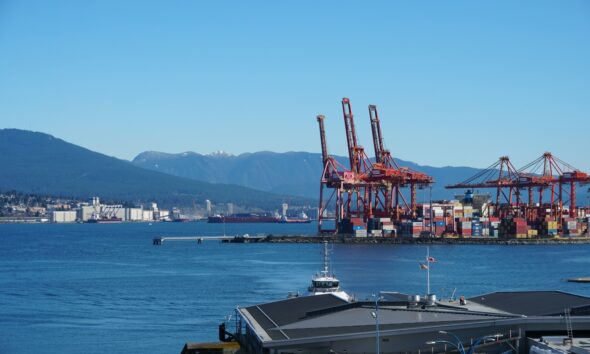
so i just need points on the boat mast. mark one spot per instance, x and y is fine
(325, 258)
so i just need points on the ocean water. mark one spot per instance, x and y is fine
(107, 289)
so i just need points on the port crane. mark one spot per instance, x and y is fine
(546, 174)
(357, 193)
(335, 177)
(365, 189)
(390, 177)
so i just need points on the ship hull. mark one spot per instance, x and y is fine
(242, 219)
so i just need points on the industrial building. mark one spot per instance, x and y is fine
(499, 322)
(96, 211)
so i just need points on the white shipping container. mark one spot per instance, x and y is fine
(360, 233)
(572, 225)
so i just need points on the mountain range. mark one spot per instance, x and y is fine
(294, 173)
(39, 163)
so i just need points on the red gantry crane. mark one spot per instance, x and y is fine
(353, 189)
(390, 178)
(502, 176)
(336, 178)
(360, 166)
(546, 173)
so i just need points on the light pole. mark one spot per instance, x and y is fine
(458, 346)
(459, 343)
(375, 315)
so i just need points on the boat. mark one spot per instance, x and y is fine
(325, 282)
(181, 220)
(243, 218)
(105, 220)
(301, 219)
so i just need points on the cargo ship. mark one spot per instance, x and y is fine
(243, 218)
(105, 220)
(181, 220)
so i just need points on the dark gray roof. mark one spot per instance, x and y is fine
(533, 303)
(328, 315)
(292, 310)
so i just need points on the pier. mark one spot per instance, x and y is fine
(157, 241)
(348, 239)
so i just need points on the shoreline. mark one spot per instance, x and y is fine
(418, 241)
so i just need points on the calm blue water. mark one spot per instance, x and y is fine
(106, 289)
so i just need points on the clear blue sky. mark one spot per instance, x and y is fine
(456, 82)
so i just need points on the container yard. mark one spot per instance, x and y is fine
(377, 198)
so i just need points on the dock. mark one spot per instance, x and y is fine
(579, 280)
(157, 241)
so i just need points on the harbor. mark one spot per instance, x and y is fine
(295, 177)
(329, 320)
(181, 291)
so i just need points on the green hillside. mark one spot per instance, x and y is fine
(40, 163)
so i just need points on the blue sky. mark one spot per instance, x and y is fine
(456, 82)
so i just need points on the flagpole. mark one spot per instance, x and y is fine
(428, 270)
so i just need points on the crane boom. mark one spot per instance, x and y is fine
(355, 163)
(320, 119)
(377, 137)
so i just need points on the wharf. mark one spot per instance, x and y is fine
(347, 239)
(408, 241)
(579, 280)
(157, 241)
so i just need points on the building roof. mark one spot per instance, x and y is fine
(323, 315)
(292, 309)
(534, 303)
